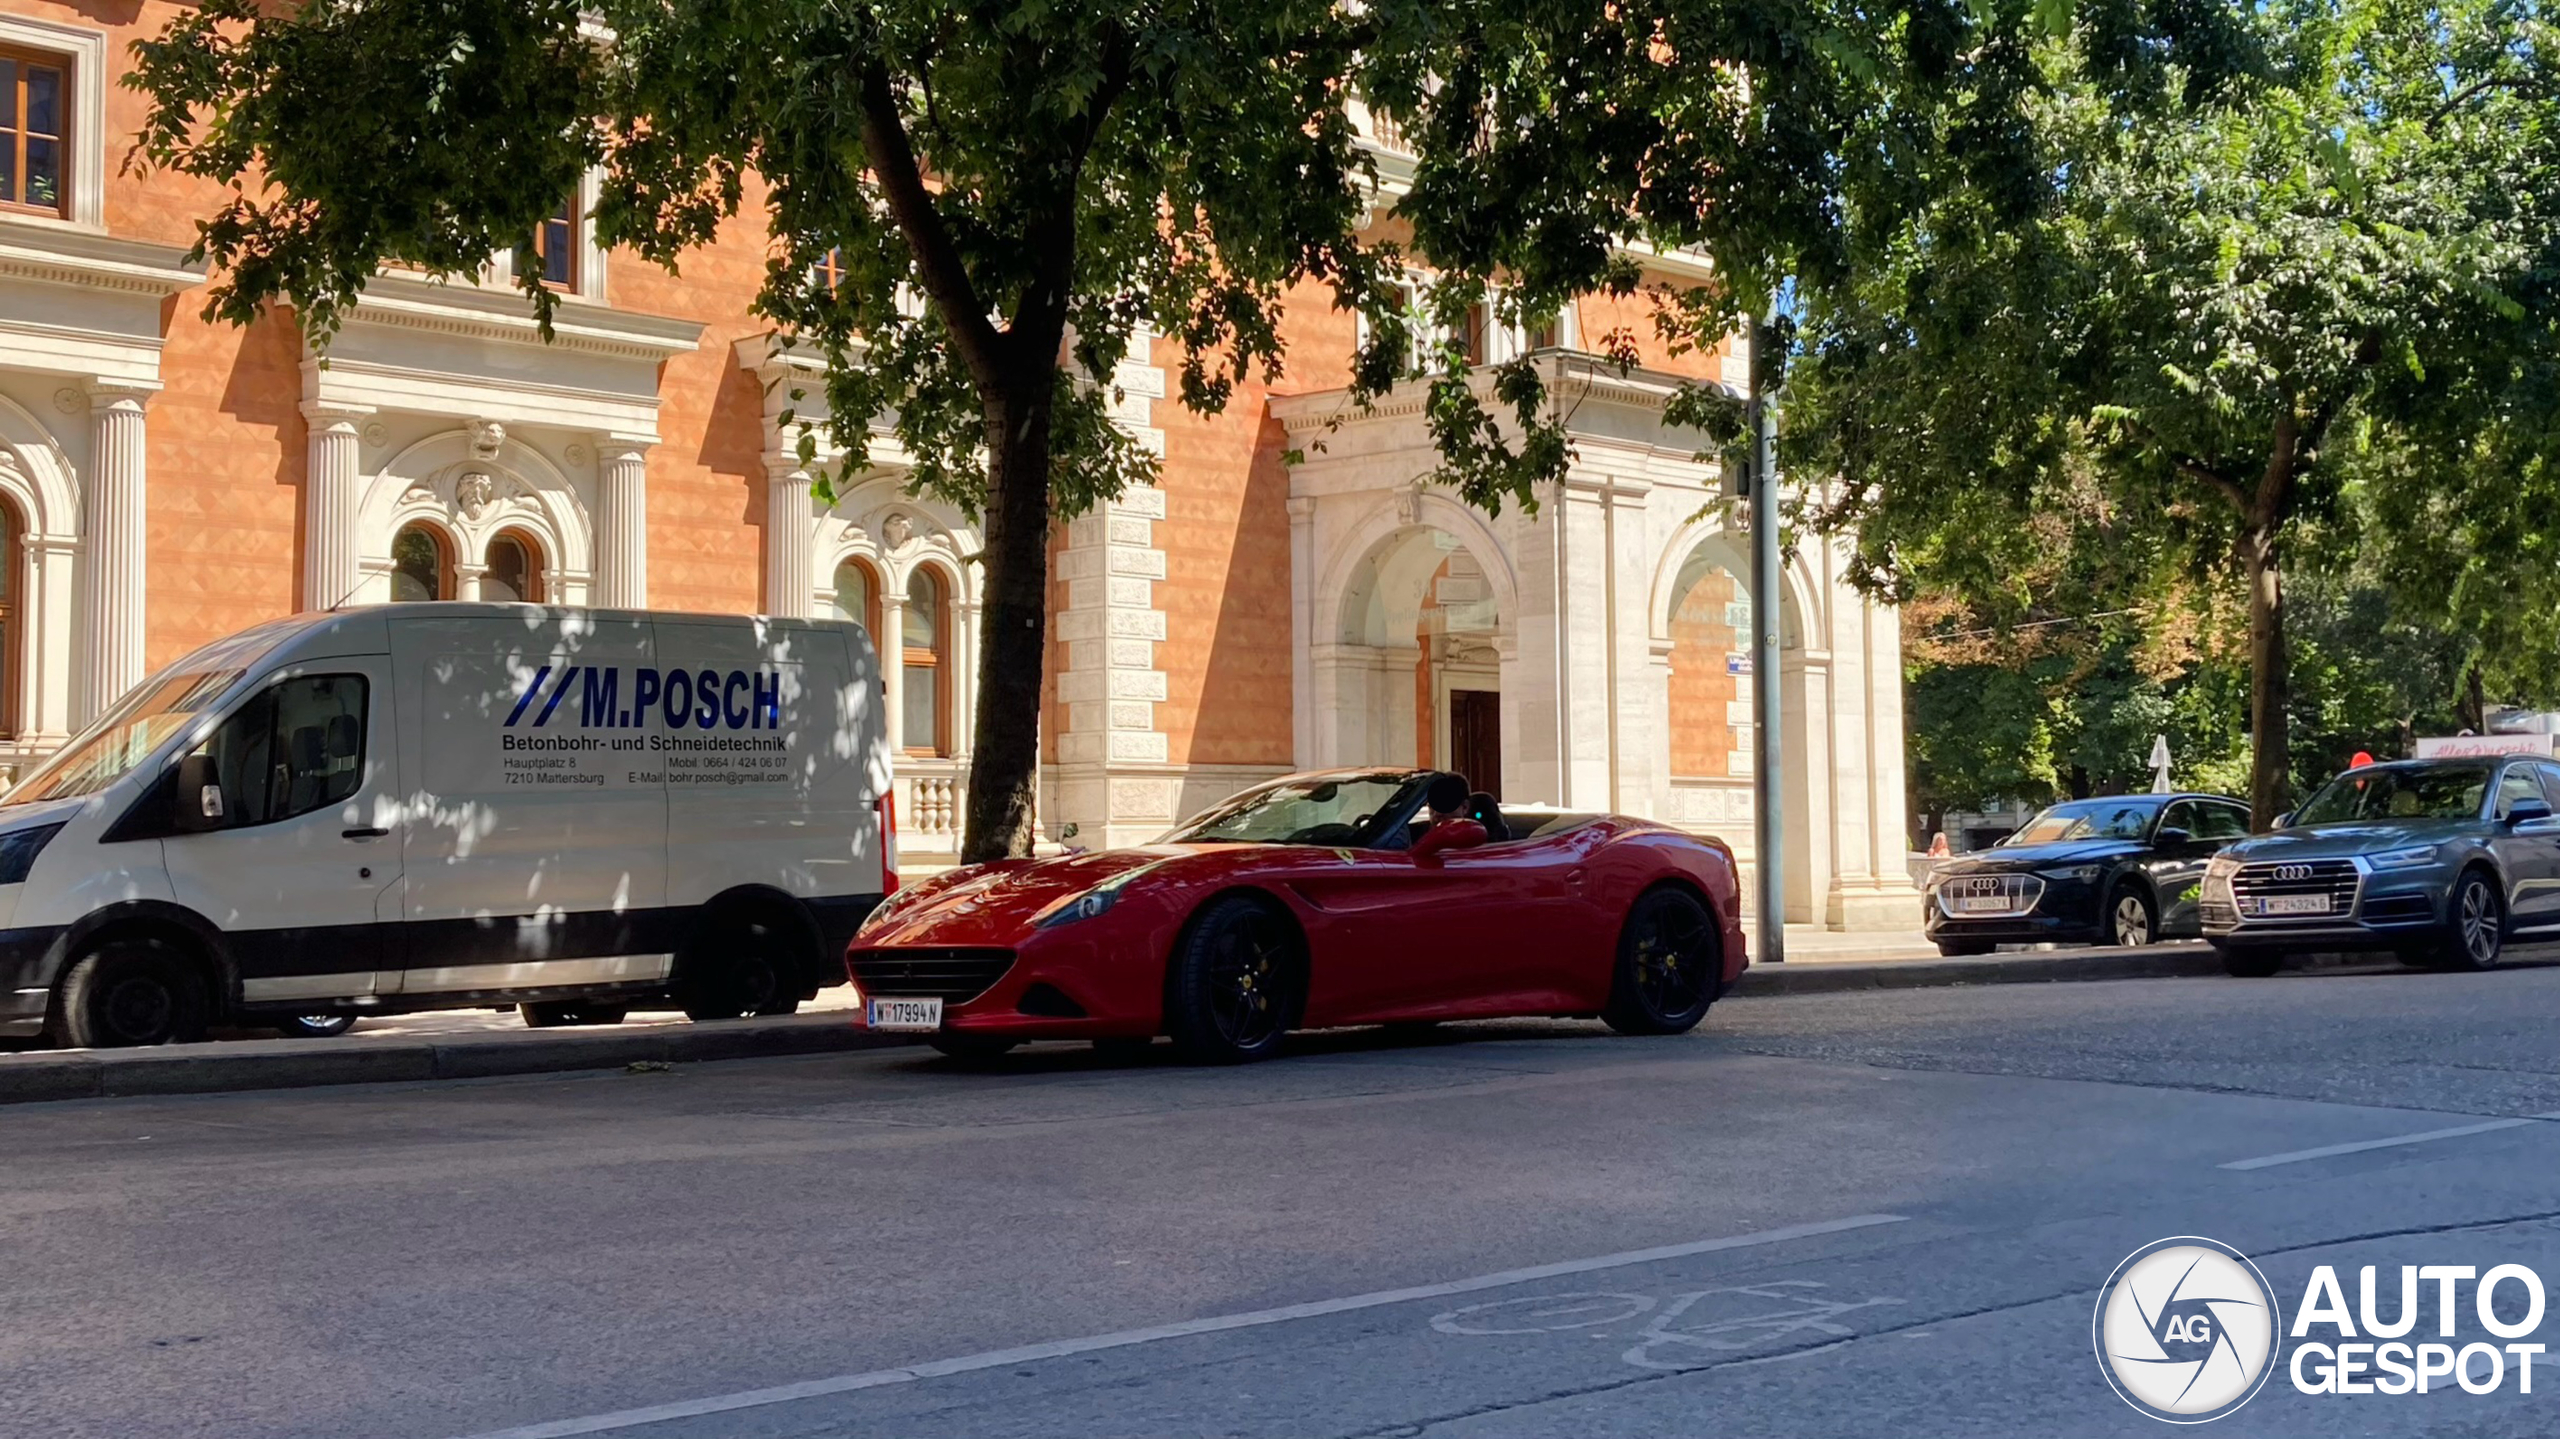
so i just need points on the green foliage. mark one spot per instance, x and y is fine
(2279, 255)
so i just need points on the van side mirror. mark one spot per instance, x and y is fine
(197, 803)
(1448, 835)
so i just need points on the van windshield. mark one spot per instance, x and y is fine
(125, 736)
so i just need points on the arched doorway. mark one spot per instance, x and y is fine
(1416, 670)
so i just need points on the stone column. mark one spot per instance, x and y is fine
(332, 496)
(790, 584)
(466, 580)
(622, 526)
(112, 529)
(964, 679)
(1304, 717)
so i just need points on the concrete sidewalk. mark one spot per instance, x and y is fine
(372, 1057)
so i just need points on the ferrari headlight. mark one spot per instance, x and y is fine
(882, 912)
(1078, 906)
(2071, 873)
(2415, 856)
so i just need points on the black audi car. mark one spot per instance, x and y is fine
(2121, 870)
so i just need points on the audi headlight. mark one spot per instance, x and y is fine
(2071, 873)
(2416, 856)
(2222, 866)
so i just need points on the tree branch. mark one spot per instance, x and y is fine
(1039, 319)
(2198, 470)
(946, 279)
(2467, 93)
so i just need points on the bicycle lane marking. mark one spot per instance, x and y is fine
(1711, 1322)
(1126, 1338)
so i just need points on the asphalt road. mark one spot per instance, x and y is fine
(1842, 1214)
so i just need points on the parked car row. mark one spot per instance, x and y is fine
(2442, 862)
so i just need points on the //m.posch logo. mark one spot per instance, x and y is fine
(2186, 1329)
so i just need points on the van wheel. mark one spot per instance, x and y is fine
(743, 971)
(130, 992)
(552, 1014)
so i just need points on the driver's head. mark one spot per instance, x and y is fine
(1447, 796)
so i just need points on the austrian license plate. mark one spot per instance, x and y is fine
(1980, 903)
(2287, 904)
(908, 1016)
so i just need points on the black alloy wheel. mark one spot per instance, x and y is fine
(2479, 928)
(1237, 983)
(2131, 923)
(131, 992)
(1670, 965)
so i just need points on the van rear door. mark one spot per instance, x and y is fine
(536, 817)
(300, 853)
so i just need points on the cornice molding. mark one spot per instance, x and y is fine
(58, 253)
(394, 301)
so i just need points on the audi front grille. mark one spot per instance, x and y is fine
(2337, 880)
(2018, 893)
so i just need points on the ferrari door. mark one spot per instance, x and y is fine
(1461, 931)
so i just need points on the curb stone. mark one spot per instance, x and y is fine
(227, 1067)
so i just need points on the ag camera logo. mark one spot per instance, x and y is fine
(2185, 1329)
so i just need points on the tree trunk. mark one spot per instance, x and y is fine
(1004, 764)
(2270, 683)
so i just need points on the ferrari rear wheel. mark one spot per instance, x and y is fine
(1669, 965)
(1238, 982)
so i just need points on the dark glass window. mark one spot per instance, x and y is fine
(35, 98)
(420, 567)
(555, 246)
(927, 628)
(514, 575)
(295, 747)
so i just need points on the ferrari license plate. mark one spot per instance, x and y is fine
(908, 1016)
(2287, 904)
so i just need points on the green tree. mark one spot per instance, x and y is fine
(1012, 186)
(2290, 234)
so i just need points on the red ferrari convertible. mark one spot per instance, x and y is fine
(1346, 897)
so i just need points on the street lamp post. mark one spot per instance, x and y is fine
(1769, 820)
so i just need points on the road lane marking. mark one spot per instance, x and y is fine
(1216, 1324)
(2297, 1156)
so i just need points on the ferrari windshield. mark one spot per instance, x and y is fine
(2446, 791)
(1353, 810)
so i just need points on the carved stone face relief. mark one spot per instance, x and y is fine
(487, 436)
(895, 531)
(475, 492)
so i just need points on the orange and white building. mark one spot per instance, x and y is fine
(165, 481)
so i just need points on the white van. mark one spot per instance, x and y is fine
(440, 806)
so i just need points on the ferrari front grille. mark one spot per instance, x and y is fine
(954, 976)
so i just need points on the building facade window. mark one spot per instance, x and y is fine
(928, 673)
(421, 565)
(858, 597)
(35, 138)
(555, 247)
(829, 271)
(13, 530)
(514, 575)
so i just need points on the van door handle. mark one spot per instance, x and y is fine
(367, 833)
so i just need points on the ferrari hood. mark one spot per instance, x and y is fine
(979, 904)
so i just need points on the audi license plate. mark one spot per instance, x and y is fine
(905, 1016)
(1980, 903)
(2286, 904)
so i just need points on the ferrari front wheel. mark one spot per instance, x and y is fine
(1669, 965)
(1236, 985)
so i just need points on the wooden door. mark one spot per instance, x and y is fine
(1475, 738)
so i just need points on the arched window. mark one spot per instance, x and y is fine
(421, 565)
(514, 575)
(858, 597)
(12, 529)
(928, 676)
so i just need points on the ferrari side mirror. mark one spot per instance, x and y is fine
(1448, 835)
